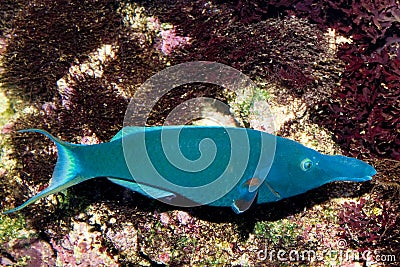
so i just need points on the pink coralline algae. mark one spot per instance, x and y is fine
(183, 217)
(164, 257)
(155, 23)
(7, 128)
(90, 140)
(124, 239)
(49, 108)
(171, 41)
(66, 95)
(180, 217)
(3, 45)
(82, 247)
(36, 251)
(164, 218)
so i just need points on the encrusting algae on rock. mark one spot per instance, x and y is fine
(247, 36)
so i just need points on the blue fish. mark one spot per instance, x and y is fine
(196, 165)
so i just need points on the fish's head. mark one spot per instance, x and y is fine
(301, 169)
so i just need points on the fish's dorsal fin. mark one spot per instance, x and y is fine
(127, 130)
(248, 192)
(145, 190)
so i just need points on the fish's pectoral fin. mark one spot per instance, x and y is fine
(248, 192)
(145, 190)
(252, 184)
(273, 191)
(244, 202)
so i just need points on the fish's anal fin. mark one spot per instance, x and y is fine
(145, 190)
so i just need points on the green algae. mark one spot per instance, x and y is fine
(6, 108)
(283, 232)
(13, 227)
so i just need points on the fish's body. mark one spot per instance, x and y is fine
(196, 165)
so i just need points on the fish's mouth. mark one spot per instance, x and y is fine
(353, 179)
(371, 172)
(350, 169)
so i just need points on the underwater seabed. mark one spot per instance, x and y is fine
(331, 78)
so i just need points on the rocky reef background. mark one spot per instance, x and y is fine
(329, 70)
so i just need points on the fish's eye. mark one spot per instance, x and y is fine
(306, 164)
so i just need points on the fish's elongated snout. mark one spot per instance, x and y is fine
(344, 168)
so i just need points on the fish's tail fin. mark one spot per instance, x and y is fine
(65, 172)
